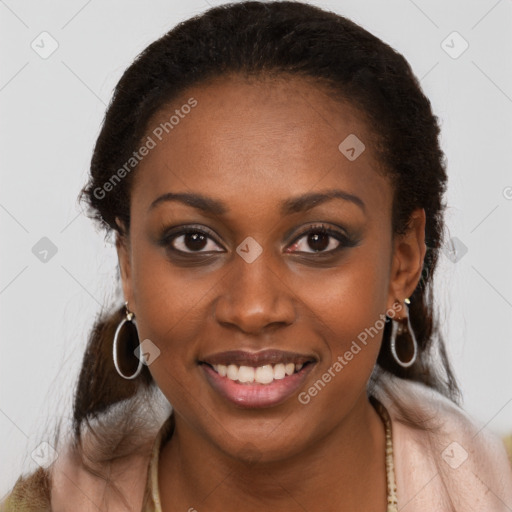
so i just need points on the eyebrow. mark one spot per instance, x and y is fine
(289, 206)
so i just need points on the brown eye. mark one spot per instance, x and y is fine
(190, 241)
(320, 240)
(194, 241)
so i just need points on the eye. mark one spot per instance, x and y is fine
(190, 240)
(195, 240)
(321, 239)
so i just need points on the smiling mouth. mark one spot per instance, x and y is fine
(265, 374)
(257, 380)
(257, 377)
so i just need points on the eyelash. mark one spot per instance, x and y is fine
(344, 241)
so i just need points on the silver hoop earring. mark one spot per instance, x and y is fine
(403, 329)
(129, 318)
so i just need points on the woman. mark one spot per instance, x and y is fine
(273, 177)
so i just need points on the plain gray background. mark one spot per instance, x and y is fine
(51, 111)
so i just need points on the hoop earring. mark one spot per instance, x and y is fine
(402, 328)
(129, 318)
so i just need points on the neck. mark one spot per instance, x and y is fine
(345, 470)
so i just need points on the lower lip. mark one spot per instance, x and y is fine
(254, 395)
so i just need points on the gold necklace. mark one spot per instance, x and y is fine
(390, 466)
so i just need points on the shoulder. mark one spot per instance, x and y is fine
(442, 456)
(67, 485)
(30, 494)
(81, 481)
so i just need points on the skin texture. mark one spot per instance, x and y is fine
(253, 144)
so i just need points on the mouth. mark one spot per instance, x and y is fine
(256, 380)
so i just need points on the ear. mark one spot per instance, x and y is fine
(124, 257)
(408, 254)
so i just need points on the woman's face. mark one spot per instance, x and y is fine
(257, 288)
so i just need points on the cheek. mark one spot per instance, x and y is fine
(350, 318)
(167, 296)
(170, 306)
(359, 304)
(350, 300)
(351, 308)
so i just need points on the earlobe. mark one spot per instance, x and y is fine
(408, 256)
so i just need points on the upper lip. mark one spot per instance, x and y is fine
(261, 358)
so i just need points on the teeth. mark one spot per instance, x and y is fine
(279, 372)
(246, 374)
(232, 372)
(261, 374)
(264, 374)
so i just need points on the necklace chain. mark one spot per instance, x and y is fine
(390, 466)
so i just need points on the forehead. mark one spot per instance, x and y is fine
(259, 140)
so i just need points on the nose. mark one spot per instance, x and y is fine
(254, 298)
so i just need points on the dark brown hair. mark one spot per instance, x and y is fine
(273, 39)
